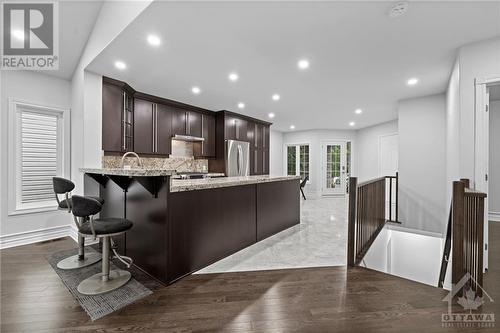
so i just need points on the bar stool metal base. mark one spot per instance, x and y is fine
(94, 285)
(73, 262)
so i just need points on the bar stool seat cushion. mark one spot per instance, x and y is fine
(64, 204)
(106, 225)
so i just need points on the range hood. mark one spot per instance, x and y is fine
(188, 138)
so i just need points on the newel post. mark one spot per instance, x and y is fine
(457, 229)
(351, 223)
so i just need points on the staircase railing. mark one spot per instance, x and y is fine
(367, 215)
(465, 236)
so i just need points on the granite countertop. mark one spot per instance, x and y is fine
(178, 185)
(129, 172)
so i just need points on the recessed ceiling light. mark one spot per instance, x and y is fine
(18, 34)
(154, 40)
(413, 81)
(303, 64)
(292, 126)
(120, 65)
(352, 123)
(358, 111)
(276, 97)
(196, 90)
(241, 105)
(233, 77)
(271, 115)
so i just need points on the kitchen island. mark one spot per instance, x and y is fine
(181, 226)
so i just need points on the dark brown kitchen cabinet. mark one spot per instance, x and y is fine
(144, 126)
(164, 130)
(193, 123)
(179, 122)
(117, 116)
(206, 148)
(153, 127)
(235, 129)
(186, 122)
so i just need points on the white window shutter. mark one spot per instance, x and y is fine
(40, 158)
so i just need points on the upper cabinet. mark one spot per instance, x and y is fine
(134, 121)
(206, 148)
(179, 122)
(235, 128)
(117, 116)
(153, 128)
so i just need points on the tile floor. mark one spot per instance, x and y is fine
(319, 240)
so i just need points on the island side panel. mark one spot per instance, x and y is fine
(208, 225)
(278, 207)
(147, 240)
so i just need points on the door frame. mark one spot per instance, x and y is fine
(297, 162)
(323, 165)
(481, 149)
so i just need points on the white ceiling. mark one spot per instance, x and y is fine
(360, 58)
(76, 21)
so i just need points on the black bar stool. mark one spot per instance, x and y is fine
(84, 209)
(64, 187)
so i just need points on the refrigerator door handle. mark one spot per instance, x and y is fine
(240, 160)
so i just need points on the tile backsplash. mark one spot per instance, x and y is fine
(180, 164)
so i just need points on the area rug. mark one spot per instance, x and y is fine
(100, 305)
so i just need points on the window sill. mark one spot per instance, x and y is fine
(34, 210)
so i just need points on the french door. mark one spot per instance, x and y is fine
(334, 173)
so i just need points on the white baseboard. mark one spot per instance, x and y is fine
(35, 236)
(41, 235)
(494, 216)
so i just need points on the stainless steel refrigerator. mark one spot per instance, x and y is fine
(237, 158)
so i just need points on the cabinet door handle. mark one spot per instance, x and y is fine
(124, 124)
(153, 126)
(156, 127)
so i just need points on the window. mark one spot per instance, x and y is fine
(298, 160)
(36, 154)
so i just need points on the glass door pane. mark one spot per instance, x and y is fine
(291, 160)
(334, 168)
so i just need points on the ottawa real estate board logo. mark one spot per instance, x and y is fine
(30, 39)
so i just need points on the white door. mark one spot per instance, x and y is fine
(388, 158)
(333, 168)
(388, 166)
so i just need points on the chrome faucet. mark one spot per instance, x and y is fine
(130, 153)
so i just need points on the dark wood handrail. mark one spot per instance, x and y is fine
(367, 214)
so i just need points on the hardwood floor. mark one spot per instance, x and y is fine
(327, 299)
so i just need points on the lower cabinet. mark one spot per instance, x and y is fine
(222, 223)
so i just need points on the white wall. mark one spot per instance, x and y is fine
(393, 252)
(315, 138)
(452, 130)
(92, 116)
(276, 154)
(368, 148)
(494, 160)
(39, 89)
(477, 61)
(422, 163)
